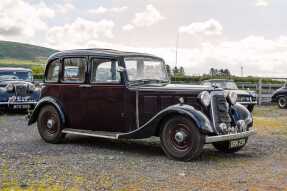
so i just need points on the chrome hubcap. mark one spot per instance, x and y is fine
(180, 136)
(50, 124)
(282, 102)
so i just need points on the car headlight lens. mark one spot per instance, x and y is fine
(205, 98)
(232, 97)
(10, 87)
(253, 94)
(31, 87)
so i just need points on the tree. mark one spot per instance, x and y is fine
(168, 70)
(175, 71)
(181, 71)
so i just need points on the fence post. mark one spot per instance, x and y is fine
(260, 92)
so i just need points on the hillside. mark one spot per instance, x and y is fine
(20, 51)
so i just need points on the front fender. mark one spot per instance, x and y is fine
(46, 101)
(239, 112)
(151, 127)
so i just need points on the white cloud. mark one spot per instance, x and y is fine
(147, 18)
(18, 17)
(209, 27)
(65, 8)
(128, 27)
(79, 33)
(262, 3)
(103, 10)
(258, 56)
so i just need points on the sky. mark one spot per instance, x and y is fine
(211, 33)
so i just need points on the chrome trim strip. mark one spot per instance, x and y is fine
(243, 103)
(137, 110)
(212, 112)
(18, 103)
(74, 132)
(228, 137)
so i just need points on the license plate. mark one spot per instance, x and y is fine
(237, 143)
(21, 106)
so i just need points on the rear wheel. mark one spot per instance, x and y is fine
(50, 125)
(225, 146)
(282, 102)
(181, 139)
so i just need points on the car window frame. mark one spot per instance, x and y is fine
(63, 70)
(47, 70)
(120, 82)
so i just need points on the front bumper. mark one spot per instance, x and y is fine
(229, 137)
(18, 105)
(248, 103)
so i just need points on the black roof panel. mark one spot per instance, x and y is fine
(98, 52)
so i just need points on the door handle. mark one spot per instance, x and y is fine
(85, 86)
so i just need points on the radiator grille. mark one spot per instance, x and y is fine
(220, 112)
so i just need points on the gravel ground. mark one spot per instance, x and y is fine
(81, 163)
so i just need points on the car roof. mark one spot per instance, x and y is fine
(15, 69)
(109, 53)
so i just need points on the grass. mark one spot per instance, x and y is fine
(22, 63)
(270, 120)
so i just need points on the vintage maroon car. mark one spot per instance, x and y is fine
(124, 95)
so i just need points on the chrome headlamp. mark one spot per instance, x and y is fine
(232, 97)
(31, 87)
(205, 98)
(10, 87)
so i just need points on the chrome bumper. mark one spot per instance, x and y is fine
(248, 102)
(228, 137)
(19, 103)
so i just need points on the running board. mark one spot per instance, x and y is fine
(98, 134)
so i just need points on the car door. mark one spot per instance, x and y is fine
(105, 97)
(73, 82)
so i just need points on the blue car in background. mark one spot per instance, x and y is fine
(17, 91)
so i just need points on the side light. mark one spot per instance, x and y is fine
(10, 87)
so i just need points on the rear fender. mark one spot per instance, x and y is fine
(46, 101)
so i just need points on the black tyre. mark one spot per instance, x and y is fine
(282, 102)
(224, 147)
(50, 125)
(181, 139)
(250, 108)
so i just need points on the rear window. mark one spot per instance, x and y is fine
(53, 72)
(74, 70)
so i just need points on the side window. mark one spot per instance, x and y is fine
(105, 71)
(74, 70)
(53, 72)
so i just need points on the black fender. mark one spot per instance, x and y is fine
(239, 112)
(46, 101)
(151, 127)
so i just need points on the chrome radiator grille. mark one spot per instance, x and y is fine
(21, 90)
(220, 110)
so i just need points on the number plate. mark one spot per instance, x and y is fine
(237, 143)
(21, 106)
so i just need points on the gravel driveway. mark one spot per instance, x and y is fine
(81, 163)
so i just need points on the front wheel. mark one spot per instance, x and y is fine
(181, 139)
(50, 125)
(282, 102)
(225, 146)
(250, 108)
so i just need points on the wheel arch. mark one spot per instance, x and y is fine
(44, 102)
